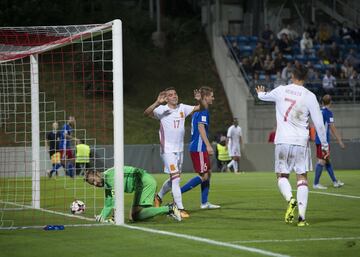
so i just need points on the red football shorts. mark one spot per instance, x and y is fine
(201, 162)
(319, 152)
(66, 154)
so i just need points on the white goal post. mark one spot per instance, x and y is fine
(48, 73)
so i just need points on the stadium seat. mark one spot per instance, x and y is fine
(289, 57)
(301, 58)
(230, 38)
(242, 40)
(313, 59)
(253, 39)
(319, 67)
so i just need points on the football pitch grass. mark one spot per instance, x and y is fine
(249, 223)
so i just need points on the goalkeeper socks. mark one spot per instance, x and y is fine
(205, 186)
(166, 187)
(176, 191)
(302, 197)
(191, 184)
(150, 212)
(285, 188)
(330, 170)
(318, 171)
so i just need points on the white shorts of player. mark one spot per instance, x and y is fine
(172, 162)
(291, 158)
(234, 150)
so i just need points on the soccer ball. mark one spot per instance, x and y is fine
(77, 207)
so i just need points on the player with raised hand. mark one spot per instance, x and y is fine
(294, 105)
(200, 150)
(135, 180)
(172, 116)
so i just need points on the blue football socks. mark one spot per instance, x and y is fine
(318, 171)
(205, 186)
(330, 170)
(191, 184)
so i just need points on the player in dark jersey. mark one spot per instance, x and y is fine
(200, 150)
(329, 126)
(52, 143)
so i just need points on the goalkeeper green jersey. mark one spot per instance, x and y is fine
(135, 180)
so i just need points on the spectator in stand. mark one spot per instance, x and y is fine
(235, 51)
(309, 65)
(297, 64)
(246, 65)
(280, 62)
(314, 82)
(345, 34)
(259, 51)
(354, 85)
(255, 81)
(286, 72)
(267, 83)
(285, 44)
(256, 64)
(267, 36)
(279, 81)
(334, 53)
(346, 69)
(322, 55)
(324, 34)
(329, 83)
(275, 52)
(356, 35)
(342, 85)
(352, 58)
(306, 44)
(312, 30)
(291, 34)
(268, 64)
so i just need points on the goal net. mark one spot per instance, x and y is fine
(55, 79)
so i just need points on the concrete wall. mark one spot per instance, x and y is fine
(16, 161)
(234, 85)
(261, 120)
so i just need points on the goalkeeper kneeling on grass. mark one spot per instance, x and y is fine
(135, 180)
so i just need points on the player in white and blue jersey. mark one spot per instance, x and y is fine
(328, 118)
(200, 149)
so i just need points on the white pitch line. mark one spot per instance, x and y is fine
(333, 194)
(208, 241)
(296, 240)
(48, 211)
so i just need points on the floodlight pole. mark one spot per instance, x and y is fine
(35, 131)
(118, 114)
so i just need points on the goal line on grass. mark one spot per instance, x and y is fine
(295, 240)
(20, 206)
(208, 241)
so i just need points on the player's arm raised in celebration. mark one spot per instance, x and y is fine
(266, 96)
(202, 104)
(161, 99)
